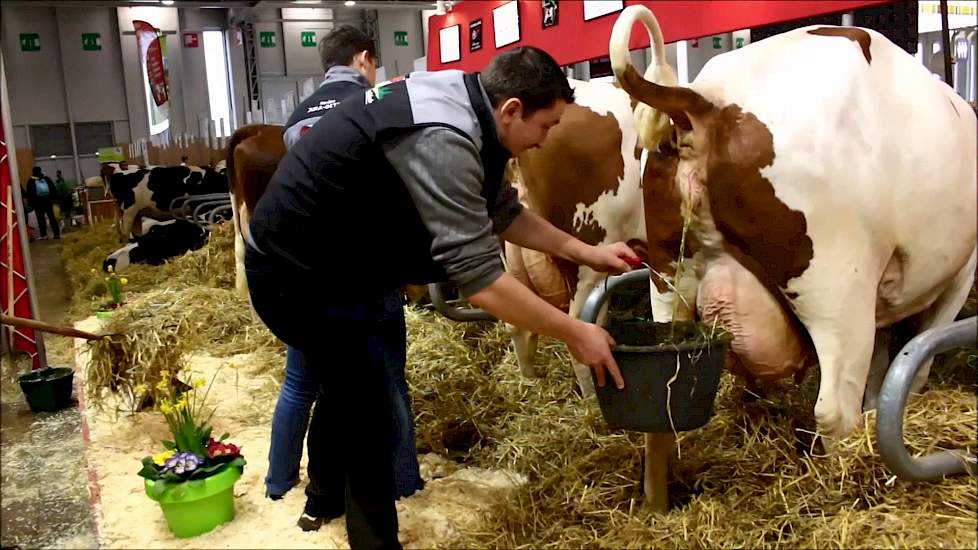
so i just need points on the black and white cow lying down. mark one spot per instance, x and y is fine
(149, 190)
(162, 240)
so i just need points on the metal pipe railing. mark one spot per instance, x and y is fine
(893, 402)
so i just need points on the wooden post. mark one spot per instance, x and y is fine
(658, 450)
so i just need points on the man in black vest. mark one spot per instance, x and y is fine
(349, 59)
(404, 185)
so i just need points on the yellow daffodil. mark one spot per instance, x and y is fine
(166, 408)
(124, 281)
(161, 458)
(199, 383)
(165, 374)
(110, 268)
(140, 390)
(163, 385)
(182, 403)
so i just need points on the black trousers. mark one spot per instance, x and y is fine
(344, 339)
(44, 208)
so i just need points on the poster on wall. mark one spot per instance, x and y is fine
(506, 23)
(549, 13)
(596, 8)
(475, 35)
(449, 39)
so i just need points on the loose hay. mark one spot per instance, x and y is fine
(751, 477)
(754, 476)
(85, 249)
(149, 338)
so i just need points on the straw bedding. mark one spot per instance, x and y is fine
(754, 476)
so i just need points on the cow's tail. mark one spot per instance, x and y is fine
(660, 97)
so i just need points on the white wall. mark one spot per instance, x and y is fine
(399, 60)
(34, 79)
(304, 60)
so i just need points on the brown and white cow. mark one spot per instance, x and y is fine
(586, 180)
(252, 157)
(831, 180)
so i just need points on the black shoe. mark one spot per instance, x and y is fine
(309, 523)
(272, 497)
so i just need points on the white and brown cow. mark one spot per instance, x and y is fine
(832, 184)
(252, 157)
(149, 190)
(586, 180)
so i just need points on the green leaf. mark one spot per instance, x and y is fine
(149, 471)
(169, 445)
(225, 436)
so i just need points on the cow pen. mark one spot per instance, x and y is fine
(518, 462)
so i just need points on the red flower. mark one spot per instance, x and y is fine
(216, 449)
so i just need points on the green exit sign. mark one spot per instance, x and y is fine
(400, 38)
(267, 39)
(30, 42)
(308, 39)
(91, 41)
(717, 42)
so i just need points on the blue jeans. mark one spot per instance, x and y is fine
(291, 418)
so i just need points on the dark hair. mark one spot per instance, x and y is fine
(37, 171)
(528, 74)
(342, 44)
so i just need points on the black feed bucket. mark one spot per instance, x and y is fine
(47, 389)
(649, 402)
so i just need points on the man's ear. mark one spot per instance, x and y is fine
(512, 107)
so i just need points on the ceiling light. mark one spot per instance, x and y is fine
(349, 3)
(440, 7)
(166, 2)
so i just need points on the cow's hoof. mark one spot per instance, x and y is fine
(835, 426)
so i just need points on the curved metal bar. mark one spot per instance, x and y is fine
(452, 312)
(224, 211)
(203, 207)
(893, 401)
(600, 294)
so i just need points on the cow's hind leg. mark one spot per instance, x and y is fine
(240, 278)
(127, 224)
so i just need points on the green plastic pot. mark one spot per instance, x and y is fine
(103, 315)
(47, 389)
(195, 507)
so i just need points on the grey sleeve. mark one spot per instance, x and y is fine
(444, 176)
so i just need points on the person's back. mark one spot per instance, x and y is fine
(310, 195)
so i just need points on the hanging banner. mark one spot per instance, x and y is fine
(151, 54)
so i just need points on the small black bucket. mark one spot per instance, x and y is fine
(644, 404)
(47, 389)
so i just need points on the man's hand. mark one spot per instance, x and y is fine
(591, 345)
(614, 258)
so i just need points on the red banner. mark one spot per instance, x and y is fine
(572, 39)
(150, 53)
(15, 296)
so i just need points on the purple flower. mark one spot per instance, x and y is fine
(183, 462)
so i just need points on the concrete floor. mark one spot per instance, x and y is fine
(45, 495)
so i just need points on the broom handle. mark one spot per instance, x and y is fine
(46, 327)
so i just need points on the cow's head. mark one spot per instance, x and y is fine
(714, 158)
